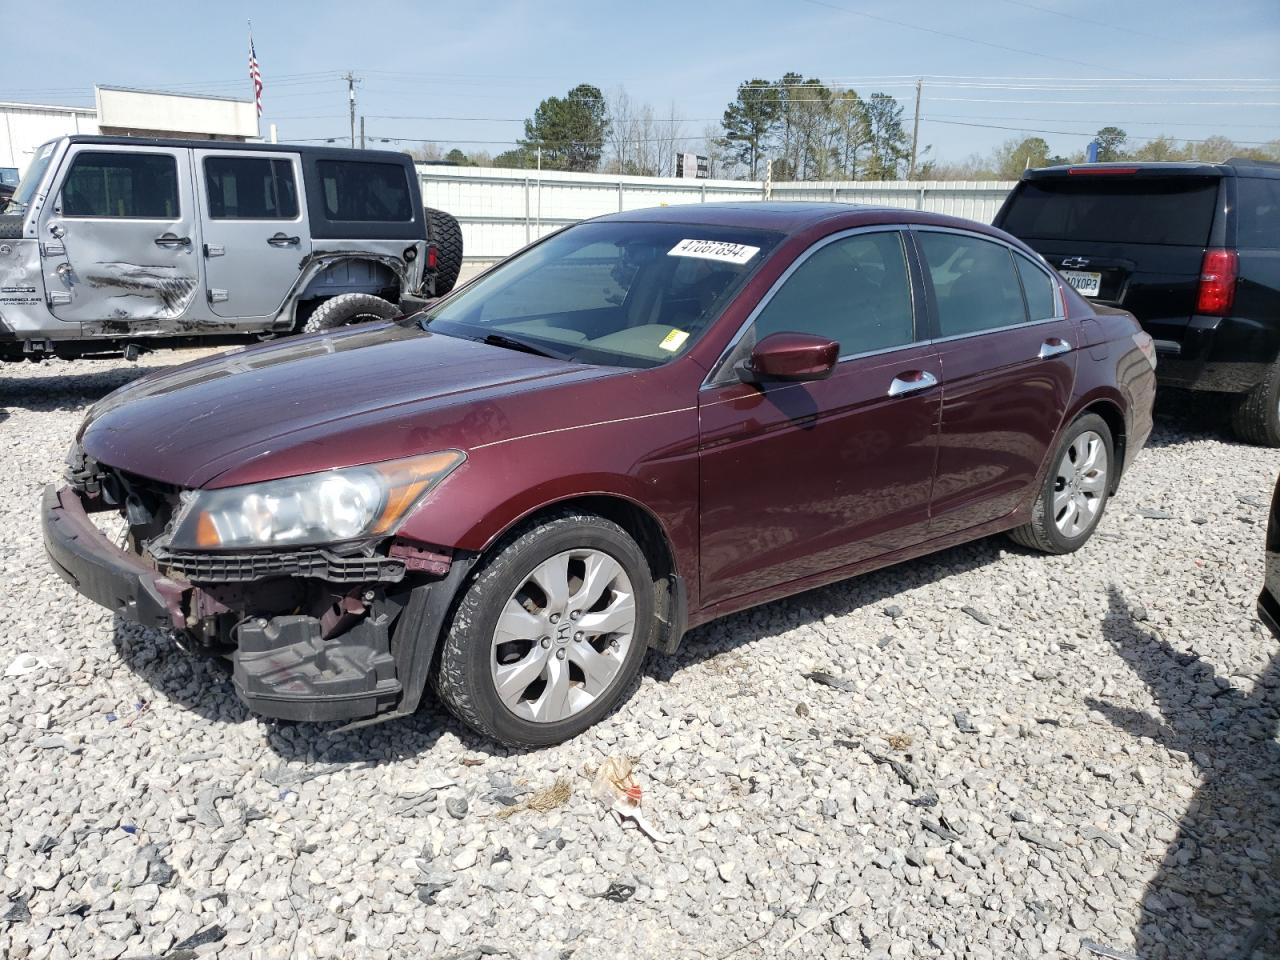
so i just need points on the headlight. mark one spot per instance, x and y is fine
(315, 508)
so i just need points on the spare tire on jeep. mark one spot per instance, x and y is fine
(445, 235)
(348, 308)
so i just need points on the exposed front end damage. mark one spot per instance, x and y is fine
(312, 634)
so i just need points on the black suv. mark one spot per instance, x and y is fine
(1191, 249)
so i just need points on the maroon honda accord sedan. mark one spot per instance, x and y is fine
(635, 425)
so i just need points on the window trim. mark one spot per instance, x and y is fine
(295, 169)
(60, 206)
(715, 377)
(927, 280)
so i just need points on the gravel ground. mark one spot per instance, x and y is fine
(1021, 757)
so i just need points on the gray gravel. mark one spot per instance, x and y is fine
(1022, 757)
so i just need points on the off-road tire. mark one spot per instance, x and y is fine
(445, 234)
(1040, 533)
(349, 308)
(1256, 416)
(463, 680)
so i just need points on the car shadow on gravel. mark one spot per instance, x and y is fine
(1217, 890)
(1187, 416)
(68, 391)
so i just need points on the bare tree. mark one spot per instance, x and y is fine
(670, 140)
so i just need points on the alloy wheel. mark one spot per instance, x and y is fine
(1080, 484)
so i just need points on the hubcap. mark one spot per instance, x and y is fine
(1080, 485)
(563, 635)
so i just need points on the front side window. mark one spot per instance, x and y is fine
(1042, 304)
(250, 188)
(974, 283)
(613, 293)
(140, 186)
(855, 291)
(356, 190)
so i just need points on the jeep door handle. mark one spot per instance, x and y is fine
(169, 240)
(280, 240)
(912, 381)
(1052, 347)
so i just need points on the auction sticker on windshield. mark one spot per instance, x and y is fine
(714, 250)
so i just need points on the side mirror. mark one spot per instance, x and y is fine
(789, 356)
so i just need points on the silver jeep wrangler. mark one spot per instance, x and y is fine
(111, 244)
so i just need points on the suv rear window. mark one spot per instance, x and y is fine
(356, 190)
(1121, 209)
(1258, 202)
(130, 185)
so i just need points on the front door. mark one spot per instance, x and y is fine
(1009, 357)
(256, 235)
(798, 479)
(119, 240)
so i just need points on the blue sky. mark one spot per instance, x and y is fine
(496, 60)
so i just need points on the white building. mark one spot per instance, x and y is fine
(120, 111)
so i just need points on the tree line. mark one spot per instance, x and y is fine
(792, 128)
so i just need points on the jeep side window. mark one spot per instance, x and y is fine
(250, 188)
(355, 190)
(139, 186)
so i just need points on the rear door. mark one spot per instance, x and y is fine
(118, 242)
(256, 235)
(1122, 236)
(1008, 358)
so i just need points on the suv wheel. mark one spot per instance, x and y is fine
(1256, 418)
(444, 233)
(348, 308)
(1075, 492)
(549, 635)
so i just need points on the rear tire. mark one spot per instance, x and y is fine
(1072, 488)
(1256, 417)
(507, 632)
(348, 308)
(445, 234)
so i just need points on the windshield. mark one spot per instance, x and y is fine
(35, 173)
(614, 293)
(1119, 209)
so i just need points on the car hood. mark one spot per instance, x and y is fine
(314, 403)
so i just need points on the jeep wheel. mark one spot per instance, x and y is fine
(1256, 417)
(445, 235)
(349, 308)
(550, 633)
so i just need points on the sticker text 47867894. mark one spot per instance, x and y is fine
(714, 250)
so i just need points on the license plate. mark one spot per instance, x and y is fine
(1087, 284)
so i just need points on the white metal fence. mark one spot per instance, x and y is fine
(502, 210)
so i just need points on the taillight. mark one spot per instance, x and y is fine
(1217, 282)
(433, 257)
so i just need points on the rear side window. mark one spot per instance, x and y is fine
(129, 185)
(855, 291)
(354, 190)
(1038, 288)
(974, 283)
(1258, 203)
(1115, 209)
(250, 188)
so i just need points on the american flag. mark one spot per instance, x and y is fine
(255, 75)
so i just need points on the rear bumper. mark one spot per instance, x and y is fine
(1226, 354)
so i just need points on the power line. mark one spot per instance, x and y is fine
(1070, 133)
(1093, 24)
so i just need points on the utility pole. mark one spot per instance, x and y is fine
(915, 133)
(362, 131)
(352, 80)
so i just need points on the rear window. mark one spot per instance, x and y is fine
(355, 190)
(1172, 210)
(1258, 202)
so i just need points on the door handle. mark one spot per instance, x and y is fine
(912, 381)
(280, 240)
(169, 240)
(1052, 347)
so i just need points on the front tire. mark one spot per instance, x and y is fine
(550, 632)
(348, 308)
(1256, 417)
(1075, 491)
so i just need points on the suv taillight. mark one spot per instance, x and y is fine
(433, 257)
(1217, 282)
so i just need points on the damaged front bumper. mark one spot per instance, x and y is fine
(342, 664)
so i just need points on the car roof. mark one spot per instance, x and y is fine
(792, 216)
(334, 153)
(1235, 167)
